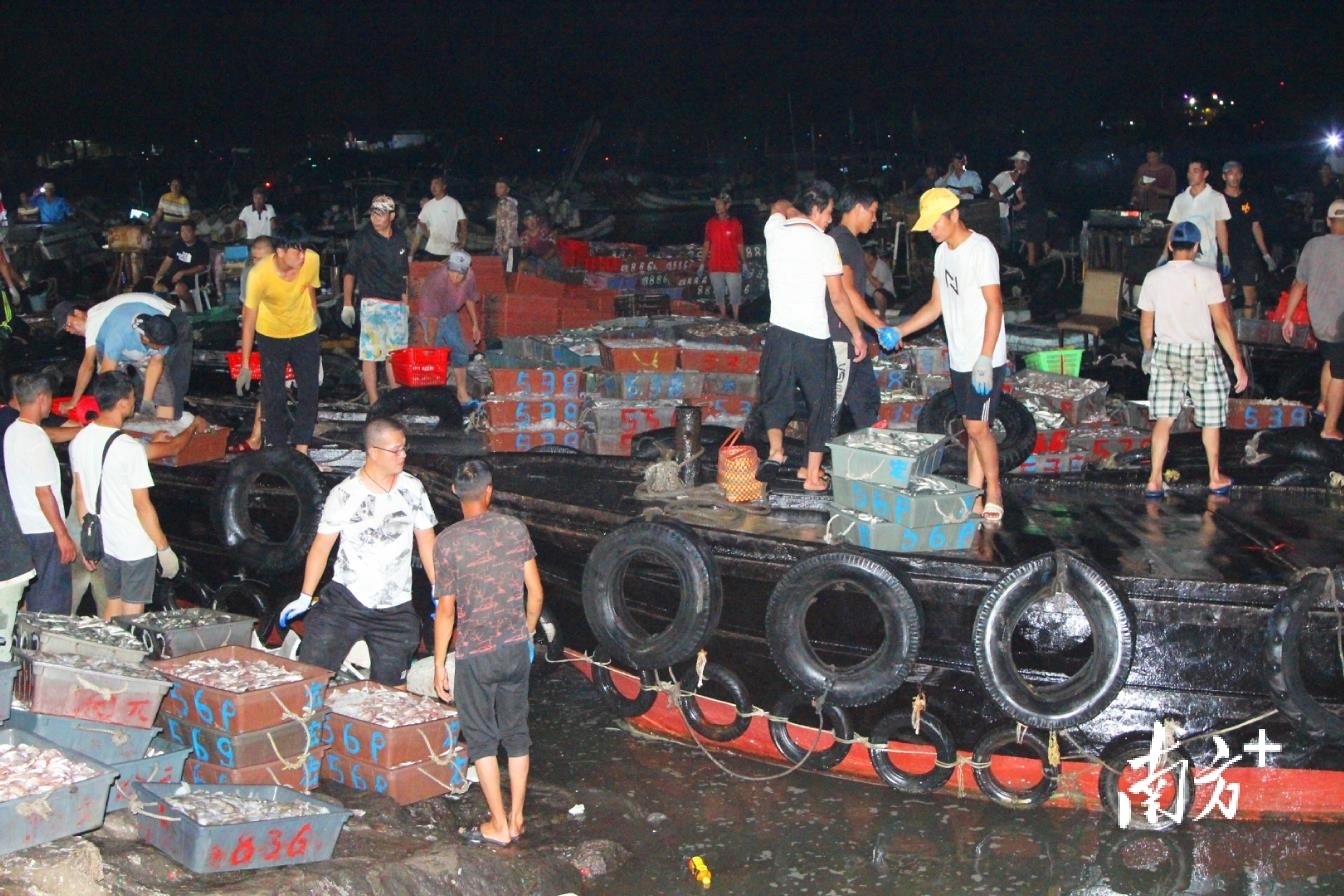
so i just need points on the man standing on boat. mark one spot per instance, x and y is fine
(481, 567)
(1181, 311)
(1206, 208)
(506, 223)
(380, 261)
(855, 382)
(442, 224)
(1321, 266)
(966, 295)
(804, 269)
(960, 179)
(725, 256)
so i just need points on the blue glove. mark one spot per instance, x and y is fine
(889, 338)
(531, 650)
(295, 608)
(1225, 270)
(1147, 363)
(982, 375)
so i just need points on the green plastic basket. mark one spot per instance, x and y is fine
(1067, 361)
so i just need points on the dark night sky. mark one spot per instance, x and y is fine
(692, 72)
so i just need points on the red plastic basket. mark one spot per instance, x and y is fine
(81, 412)
(236, 365)
(420, 366)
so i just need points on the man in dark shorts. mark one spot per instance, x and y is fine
(482, 565)
(1246, 248)
(855, 382)
(966, 295)
(1321, 266)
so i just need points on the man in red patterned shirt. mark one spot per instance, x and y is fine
(725, 256)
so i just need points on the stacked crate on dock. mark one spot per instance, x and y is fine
(247, 716)
(59, 792)
(387, 741)
(611, 424)
(533, 406)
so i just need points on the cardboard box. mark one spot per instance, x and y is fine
(205, 446)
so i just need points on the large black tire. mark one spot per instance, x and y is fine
(1303, 476)
(932, 732)
(436, 401)
(233, 493)
(793, 751)
(623, 706)
(1172, 875)
(341, 378)
(1083, 695)
(1176, 763)
(604, 599)
(1283, 660)
(1014, 429)
(184, 588)
(998, 791)
(867, 681)
(247, 597)
(737, 693)
(549, 643)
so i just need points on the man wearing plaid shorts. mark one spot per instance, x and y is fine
(1182, 307)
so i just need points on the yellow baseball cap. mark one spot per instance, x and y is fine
(935, 202)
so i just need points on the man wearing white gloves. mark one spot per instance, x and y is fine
(112, 480)
(380, 263)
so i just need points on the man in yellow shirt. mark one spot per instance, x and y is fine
(280, 320)
(172, 210)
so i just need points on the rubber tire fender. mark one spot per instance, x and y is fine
(794, 752)
(865, 682)
(623, 706)
(1115, 759)
(931, 731)
(737, 694)
(996, 790)
(436, 401)
(698, 608)
(549, 642)
(1088, 692)
(1171, 876)
(1303, 476)
(233, 493)
(940, 416)
(1283, 660)
(247, 597)
(554, 449)
(185, 586)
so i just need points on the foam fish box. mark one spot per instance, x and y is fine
(1245, 413)
(405, 784)
(163, 768)
(926, 501)
(1049, 464)
(8, 672)
(724, 411)
(885, 457)
(512, 439)
(519, 412)
(638, 354)
(100, 741)
(731, 385)
(52, 814)
(301, 772)
(1104, 442)
(287, 740)
(720, 360)
(1270, 332)
(244, 846)
(868, 532)
(238, 712)
(57, 684)
(560, 381)
(1138, 414)
(364, 741)
(677, 384)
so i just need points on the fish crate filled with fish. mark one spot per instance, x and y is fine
(869, 531)
(566, 382)
(1102, 442)
(238, 689)
(613, 416)
(1072, 397)
(514, 439)
(77, 636)
(885, 457)
(290, 740)
(409, 783)
(101, 741)
(8, 672)
(1248, 413)
(638, 354)
(301, 772)
(716, 333)
(676, 384)
(929, 360)
(161, 764)
(719, 358)
(370, 722)
(925, 501)
(172, 633)
(237, 827)
(523, 412)
(47, 792)
(99, 690)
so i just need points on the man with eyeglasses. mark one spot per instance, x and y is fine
(377, 513)
(380, 260)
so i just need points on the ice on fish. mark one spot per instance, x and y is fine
(195, 617)
(235, 676)
(210, 808)
(83, 628)
(91, 664)
(27, 770)
(390, 709)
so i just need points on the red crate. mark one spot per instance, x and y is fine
(1244, 413)
(505, 441)
(901, 411)
(298, 773)
(234, 713)
(557, 381)
(724, 406)
(504, 413)
(405, 784)
(365, 741)
(527, 283)
(720, 360)
(686, 309)
(236, 366)
(652, 354)
(420, 366)
(82, 412)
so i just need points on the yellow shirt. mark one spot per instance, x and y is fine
(284, 309)
(174, 208)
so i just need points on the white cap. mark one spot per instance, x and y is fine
(1020, 156)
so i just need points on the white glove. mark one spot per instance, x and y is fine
(982, 375)
(348, 316)
(1269, 262)
(244, 380)
(297, 607)
(169, 563)
(1146, 365)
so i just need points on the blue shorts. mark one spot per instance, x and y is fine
(449, 335)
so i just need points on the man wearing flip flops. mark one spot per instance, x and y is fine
(1182, 308)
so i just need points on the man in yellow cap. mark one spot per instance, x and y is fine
(966, 295)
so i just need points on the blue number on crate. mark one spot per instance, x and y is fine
(909, 540)
(570, 382)
(1252, 417)
(865, 535)
(334, 766)
(227, 712)
(377, 740)
(173, 733)
(315, 689)
(379, 784)
(571, 411)
(197, 748)
(902, 508)
(522, 414)
(523, 441)
(327, 737)
(899, 469)
(860, 496)
(175, 694)
(311, 768)
(224, 747)
(196, 775)
(349, 743)
(523, 381)
(1298, 417)
(938, 538)
(356, 781)
(880, 506)
(571, 439)
(966, 534)
(548, 382)
(203, 712)
(1276, 416)
(547, 410)
(449, 741)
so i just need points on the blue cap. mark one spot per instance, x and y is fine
(1185, 232)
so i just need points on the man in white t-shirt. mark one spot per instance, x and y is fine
(1206, 208)
(1181, 308)
(804, 270)
(378, 513)
(966, 295)
(442, 224)
(112, 479)
(35, 488)
(1003, 188)
(256, 218)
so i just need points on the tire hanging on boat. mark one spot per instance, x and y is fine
(1283, 658)
(623, 706)
(1172, 875)
(869, 680)
(1176, 763)
(931, 731)
(1015, 430)
(1085, 694)
(236, 490)
(431, 401)
(1002, 736)
(699, 601)
(737, 695)
(791, 750)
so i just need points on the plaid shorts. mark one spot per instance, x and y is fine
(382, 328)
(1190, 368)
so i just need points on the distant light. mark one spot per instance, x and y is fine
(1332, 140)
(267, 185)
(1190, 100)
(500, 138)
(1215, 96)
(606, 158)
(538, 149)
(1280, 83)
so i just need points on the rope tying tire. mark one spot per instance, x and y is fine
(931, 731)
(623, 706)
(1001, 793)
(792, 751)
(1176, 764)
(693, 681)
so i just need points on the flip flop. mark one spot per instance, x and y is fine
(1222, 490)
(992, 513)
(1331, 439)
(768, 470)
(1157, 495)
(476, 838)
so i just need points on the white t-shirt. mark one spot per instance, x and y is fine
(798, 259)
(881, 272)
(1179, 295)
(1204, 210)
(377, 532)
(441, 217)
(30, 463)
(1003, 182)
(98, 313)
(127, 468)
(258, 222)
(960, 273)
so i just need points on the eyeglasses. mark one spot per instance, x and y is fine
(400, 449)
